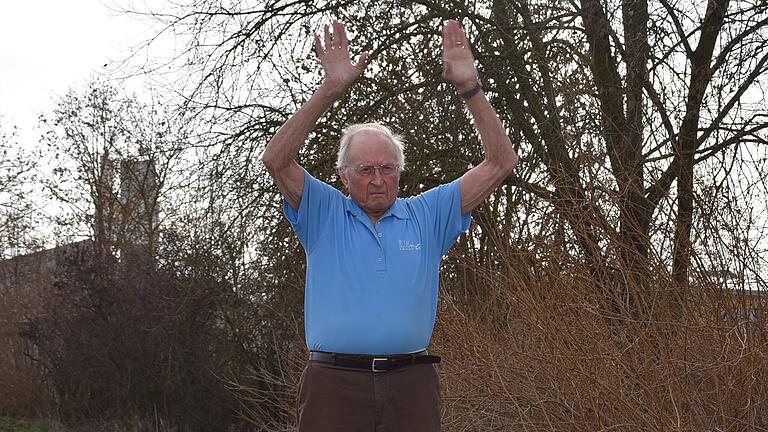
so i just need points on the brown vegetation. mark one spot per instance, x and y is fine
(546, 352)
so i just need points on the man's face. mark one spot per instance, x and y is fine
(376, 193)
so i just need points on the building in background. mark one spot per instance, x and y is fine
(125, 224)
(139, 210)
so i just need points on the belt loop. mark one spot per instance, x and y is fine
(333, 358)
(413, 358)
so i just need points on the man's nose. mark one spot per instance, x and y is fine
(377, 178)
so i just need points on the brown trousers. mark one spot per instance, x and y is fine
(339, 399)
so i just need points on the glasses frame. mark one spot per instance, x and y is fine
(374, 168)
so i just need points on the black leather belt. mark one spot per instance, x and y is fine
(373, 363)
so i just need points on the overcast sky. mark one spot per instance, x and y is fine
(46, 46)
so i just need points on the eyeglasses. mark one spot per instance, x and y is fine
(367, 170)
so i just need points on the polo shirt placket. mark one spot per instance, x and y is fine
(378, 235)
(381, 259)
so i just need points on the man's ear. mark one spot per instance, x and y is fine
(343, 176)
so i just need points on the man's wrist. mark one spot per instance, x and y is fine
(332, 89)
(468, 93)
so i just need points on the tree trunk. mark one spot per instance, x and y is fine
(686, 143)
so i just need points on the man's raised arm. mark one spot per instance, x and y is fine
(500, 157)
(280, 154)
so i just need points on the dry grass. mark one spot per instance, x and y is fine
(23, 393)
(553, 355)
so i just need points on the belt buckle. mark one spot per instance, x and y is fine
(373, 364)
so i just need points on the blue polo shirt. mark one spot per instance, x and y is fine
(372, 289)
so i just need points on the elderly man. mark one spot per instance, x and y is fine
(373, 258)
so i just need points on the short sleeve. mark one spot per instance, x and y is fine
(443, 205)
(310, 219)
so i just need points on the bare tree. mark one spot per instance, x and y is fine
(112, 157)
(18, 215)
(612, 102)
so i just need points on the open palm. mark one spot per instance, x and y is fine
(334, 57)
(458, 62)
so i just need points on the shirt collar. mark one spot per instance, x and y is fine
(397, 209)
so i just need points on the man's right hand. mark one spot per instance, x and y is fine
(340, 73)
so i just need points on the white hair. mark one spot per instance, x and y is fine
(350, 131)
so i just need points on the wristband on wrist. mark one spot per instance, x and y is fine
(473, 91)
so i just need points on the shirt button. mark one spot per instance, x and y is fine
(381, 259)
(381, 235)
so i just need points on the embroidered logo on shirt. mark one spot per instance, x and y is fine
(406, 245)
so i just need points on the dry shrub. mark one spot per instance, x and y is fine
(266, 393)
(272, 327)
(546, 351)
(268, 398)
(125, 343)
(23, 393)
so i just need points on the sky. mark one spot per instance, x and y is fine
(46, 46)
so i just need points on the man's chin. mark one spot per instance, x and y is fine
(378, 204)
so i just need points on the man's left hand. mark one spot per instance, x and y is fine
(458, 62)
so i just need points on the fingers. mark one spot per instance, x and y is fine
(337, 39)
(454, 36)
(449, 34)
(328, 38)
(362, 61)
(458, 62)
(339, 36)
